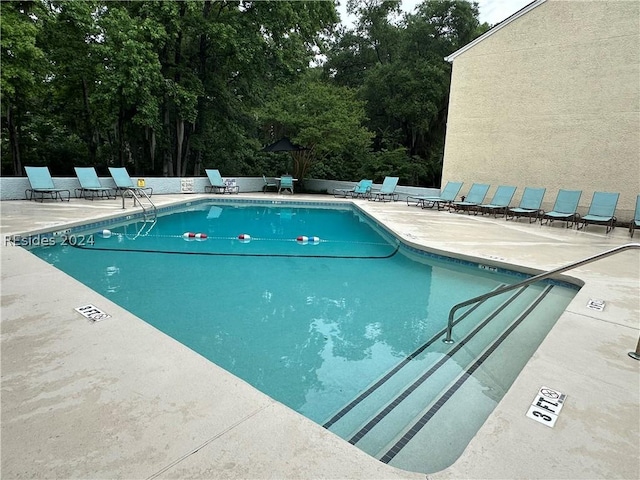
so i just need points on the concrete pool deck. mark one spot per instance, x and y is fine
(119, 399)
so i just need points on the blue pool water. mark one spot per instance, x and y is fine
(310, 322)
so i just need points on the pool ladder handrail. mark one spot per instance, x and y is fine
(528, 281)
(149, 213)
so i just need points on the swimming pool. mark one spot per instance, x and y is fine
(311, 324)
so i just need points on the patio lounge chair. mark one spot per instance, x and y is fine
(218, 185)
(123, 181)
(448, 195)
(90, 186)
(500, 201)
(601, 211)
(267, 185)
(387, 192)
(635, 221)
(362, 189)
(529, 205)
(475, 197)
(286, 183)
(565, 209)
(42, 184)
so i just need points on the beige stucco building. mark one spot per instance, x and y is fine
(550, 98)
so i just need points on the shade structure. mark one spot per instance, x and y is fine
(283, 145)
(297, 152)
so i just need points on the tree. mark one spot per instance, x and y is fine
(130, 85)
(171, 87)
(326, 119)
(69, 37)
(22, 71)
(399, 69)
(246, 56)
(167, 87)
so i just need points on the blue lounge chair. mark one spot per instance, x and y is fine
(216, 181)
(475, 197)
(267, 185)
(387, 192)
(565, 209)
(448, 195)
(530, 204)
(218, 185)
(123, 181)
(635, 221)
(42, 184)
(286, 183)
(361, 189)
(601, 211)
(500, 201)
(90, 186)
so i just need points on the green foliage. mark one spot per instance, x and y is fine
(412, 170)
(20, 54)
(130, 80)
(398, 67)
(22, 75)
(326, 119)
(171, 87)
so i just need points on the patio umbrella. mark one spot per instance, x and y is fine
(286, 145)
(283, 145)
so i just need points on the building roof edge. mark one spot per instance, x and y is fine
(494, 29)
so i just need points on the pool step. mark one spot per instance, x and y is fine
(462, 414)
(356, 414)
(360, 408)
(390, 415)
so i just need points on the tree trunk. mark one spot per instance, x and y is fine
(302, 161)
(179, 141)
(151, 137)
(187, 151)
(200, 125)
(121, 156)
(167, 164)
(92, 137)
(198, 164)
(14, 140)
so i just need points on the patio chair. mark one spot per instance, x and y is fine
(387, 192)
(124, 182)
(42, 184)
(500, 201)
(474, 198)
(267, 185)
(216, 181)
(90, 186)
(361, 189)
(529, 205)
(635, 221)
(286, 183)
(218, 185)
(601, 211)
(448, 195)
(565, 208)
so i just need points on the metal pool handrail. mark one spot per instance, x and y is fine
(138, 200)
(530, 280)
